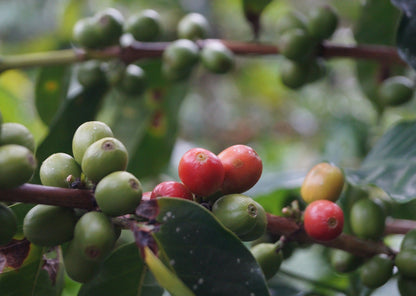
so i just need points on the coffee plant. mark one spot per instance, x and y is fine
(181, 148)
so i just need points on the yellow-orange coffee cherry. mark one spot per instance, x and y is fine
(323, 181)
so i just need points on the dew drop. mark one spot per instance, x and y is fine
(200, 281)
(238, 260)
(172, 262)
(178, 229)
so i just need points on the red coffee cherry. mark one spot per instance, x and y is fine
(242, 167)
(171, 189)
(201, 171)
(323, 220)
(146, 195)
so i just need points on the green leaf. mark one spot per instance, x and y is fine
(30, 276)
(406, 40)
(77, 109)
(407, 6)
(209, 258)
(367, 31)
(123, 273)
(50, 91)
(391, 164)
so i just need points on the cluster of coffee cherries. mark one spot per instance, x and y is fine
(218, 182)
(17, 165)
(109, 28)
(299, 39)
(99, 162)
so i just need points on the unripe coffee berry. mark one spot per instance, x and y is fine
(193, 26)
(367, 219)
(242, 167)
(323, 220)
(94, 236)
(110, 22)
(133, 80)
(406, 262)
(17, 165)
(77, 266)
(242, 215)
(323, 181)
(296, 44)
(16, 133)
(217, 58)
(179, 58)
(55, 170)
(396, 90)
(322, 22)
(86, 33)
(91, 74)
(268, 258)
(49, 226)
(86, 134)
(118, 193)
(103, 157)
(144, 26)
(171, 189)
(201, 171)
(376, 271)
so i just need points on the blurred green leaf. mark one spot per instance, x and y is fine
(407, 6)
(78, 108)
(367, 31)
(406, 40)
(391, 164)
(50, 91)
(123, 273)
(195, 243)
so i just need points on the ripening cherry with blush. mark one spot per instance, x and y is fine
(201, 171)
(323, 220)
(242, 167)
(171, 189)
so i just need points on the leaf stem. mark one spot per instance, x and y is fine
(135, 50)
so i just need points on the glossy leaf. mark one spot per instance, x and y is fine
(406, 40)
(195, 243)
(50, 91)
(122, 273)
(29, 274)
(80, 107)
(391, 164)
(367, 31)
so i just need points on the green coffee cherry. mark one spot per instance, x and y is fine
(406, 286)
(133, 81)
(144, 26)
(94, 236)
(118, 193)
(17, 165)
(86, 134)
(317, 70)
(110, 22)
(77, 267)
(56, 169)
(395, 91)
(268, 258)
(367, 219)
(322, 22)
(406, 262)
(91, 74)
(217, 58)
(179, 58)
(16, 133)
(193, 26)
(242, 215)
(344, 262)
(296, 44)
(8, 222)
(409, 240)
(294, 75)
(103, 157)
(86, 33)
(291, 20)
(376, 271)
(49, 226)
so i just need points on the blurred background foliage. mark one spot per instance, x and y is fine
(331, 119)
